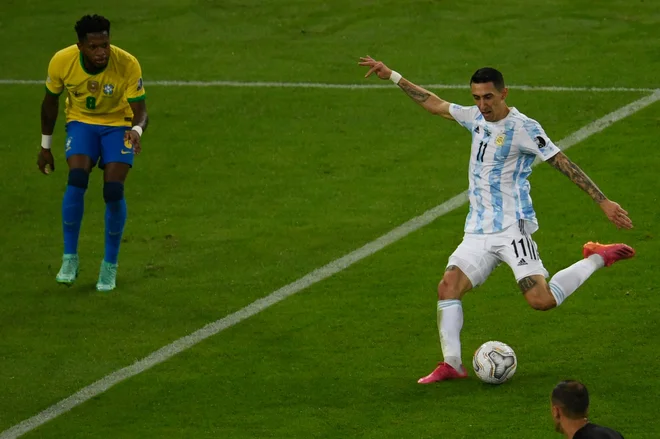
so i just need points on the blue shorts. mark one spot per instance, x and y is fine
(103, 144)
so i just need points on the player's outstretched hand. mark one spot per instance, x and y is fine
(45, 161)
(133, 137)
(616, 214)
(377, 67)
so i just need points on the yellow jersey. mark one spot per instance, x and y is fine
(101, 98)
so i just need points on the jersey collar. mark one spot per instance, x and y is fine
(82, 64)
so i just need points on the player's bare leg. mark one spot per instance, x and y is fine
(544, 295)
(451, 289)
(73, 207)
(114, 177)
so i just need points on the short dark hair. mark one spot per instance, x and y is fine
(572, 396)
(488, 74)
(92, 24)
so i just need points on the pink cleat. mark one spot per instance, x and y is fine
(609, 252)
(442, 373)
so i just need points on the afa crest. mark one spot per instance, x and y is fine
(499, 140)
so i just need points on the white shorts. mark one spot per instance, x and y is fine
(478, 255)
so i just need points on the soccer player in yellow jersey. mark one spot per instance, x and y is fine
(106, 116)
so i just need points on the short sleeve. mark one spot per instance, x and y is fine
(535, 141)
(466, 116)
(54, 84)
(135, 87)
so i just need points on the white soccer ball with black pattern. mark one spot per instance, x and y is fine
(494, 362)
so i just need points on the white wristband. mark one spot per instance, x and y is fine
(46, 141)
(137, 128)
(395, 77)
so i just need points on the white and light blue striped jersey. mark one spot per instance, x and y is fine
(500, 162)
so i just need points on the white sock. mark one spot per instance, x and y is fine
(450, 322)
(566, 281)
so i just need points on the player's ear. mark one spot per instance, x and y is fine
(556, 413)
(505, 92)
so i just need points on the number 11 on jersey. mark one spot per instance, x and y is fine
(481, 151)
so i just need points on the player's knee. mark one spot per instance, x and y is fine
(113, 191)
(79, 178)
(449, 287)
(540, 300)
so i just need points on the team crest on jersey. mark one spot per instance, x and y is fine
(139, 87)
(540, 142)
(93, 86)
(108, 89)
(499, 140)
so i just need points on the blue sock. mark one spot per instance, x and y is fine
(73, 206)
(115, 218)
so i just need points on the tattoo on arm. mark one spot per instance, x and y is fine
(577, 176)
(526, 284)
(417, 94)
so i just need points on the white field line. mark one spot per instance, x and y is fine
(262, 84)
(313, 277)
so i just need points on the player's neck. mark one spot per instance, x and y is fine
(91, 68)
(572, 426)
(505, 112)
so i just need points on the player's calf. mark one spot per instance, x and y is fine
(450, 321)
(115, 219)
(73, 206)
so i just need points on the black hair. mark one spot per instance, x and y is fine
(92, 24)
(572, 396)
(488, 74)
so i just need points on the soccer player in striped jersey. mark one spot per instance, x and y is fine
(106, 115)
(501, 217)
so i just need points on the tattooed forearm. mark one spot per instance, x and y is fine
(526, 284)
(427, 100)
(577, 176)
(418, 94)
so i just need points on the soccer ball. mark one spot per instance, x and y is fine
(494, 362)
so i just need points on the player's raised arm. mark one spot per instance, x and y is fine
(429, 101)
(614, 212)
